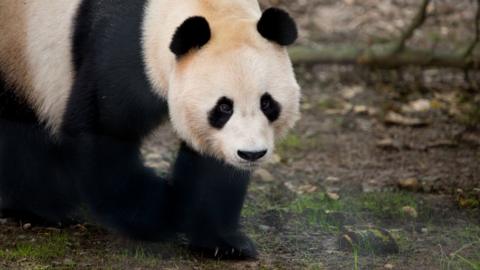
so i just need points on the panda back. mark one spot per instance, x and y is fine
(35, 54)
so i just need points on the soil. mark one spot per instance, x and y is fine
(346, 164)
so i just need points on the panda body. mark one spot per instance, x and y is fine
(84, 82)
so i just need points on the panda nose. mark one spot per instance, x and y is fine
(251, 156)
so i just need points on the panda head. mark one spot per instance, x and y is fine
(233, 91)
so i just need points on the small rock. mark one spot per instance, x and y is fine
(394, 118)
(351, 92)
(420, 105)
(68, 261)
(3, 221)
(388, 266)
(264, 175)
(264, 228)
(424, 230)
(411, 184)
(389, 144)
(360, 109)
(332, 179)
(27, 226)
(306, 189)
(333, 196)
(410, 211)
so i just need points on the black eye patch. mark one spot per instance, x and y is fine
(221, 113)
(270, 107)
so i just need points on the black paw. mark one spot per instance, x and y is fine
(235, 246)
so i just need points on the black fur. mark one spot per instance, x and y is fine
(95, 163)
(193, 33)
(30, 162)
(277, 26)
(13, 107)
(218, 116)
(270, 107)
(210, 196)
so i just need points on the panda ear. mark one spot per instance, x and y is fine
(277, 26)
(193, 33)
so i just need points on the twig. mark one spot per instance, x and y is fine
(469, 50)
(417, 22)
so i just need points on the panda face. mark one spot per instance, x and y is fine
(234, 102)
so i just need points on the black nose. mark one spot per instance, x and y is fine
(251, 156)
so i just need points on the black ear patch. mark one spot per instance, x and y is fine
(193, 33)
(277, 26)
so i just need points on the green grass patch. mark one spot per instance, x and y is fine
(319, 209)
(383, 205)
(292, 144)
(43, 249)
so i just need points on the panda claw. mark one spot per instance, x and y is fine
(233, 247)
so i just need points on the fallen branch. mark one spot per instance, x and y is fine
(380, 56)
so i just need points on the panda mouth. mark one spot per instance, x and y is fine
(249, 165)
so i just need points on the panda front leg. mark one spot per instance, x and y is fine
(209, 199)
(123, 194)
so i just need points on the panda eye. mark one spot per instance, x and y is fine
(219, 116)
(265, 103)
(270, 107)
(226, 108)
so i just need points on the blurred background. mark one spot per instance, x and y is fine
(381, 172)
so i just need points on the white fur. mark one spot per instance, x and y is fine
(49, 41)
(41, 65)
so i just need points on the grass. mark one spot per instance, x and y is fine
(43, 249)
(293, 144)
(319, 209)
(383, 205)
(466, 256)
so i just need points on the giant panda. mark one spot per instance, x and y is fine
(83, 83)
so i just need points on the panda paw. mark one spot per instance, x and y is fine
(235, 246)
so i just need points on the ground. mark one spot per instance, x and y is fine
(375, 150)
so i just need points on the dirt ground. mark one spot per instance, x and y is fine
(395, 150)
